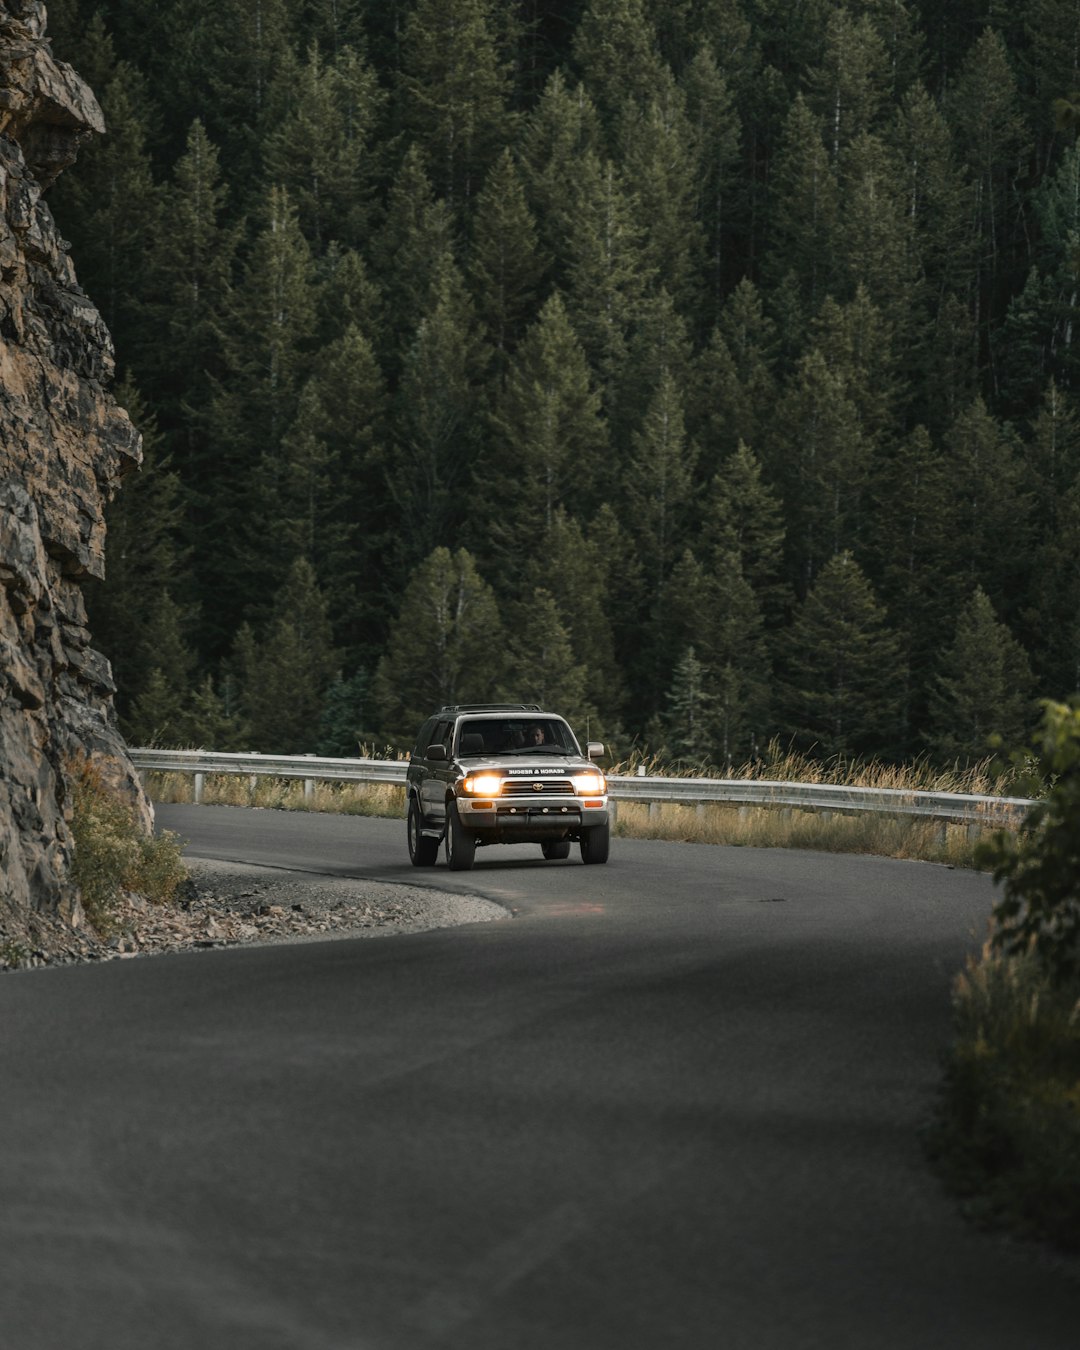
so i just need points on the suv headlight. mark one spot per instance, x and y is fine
(589, 782)
(482, 784)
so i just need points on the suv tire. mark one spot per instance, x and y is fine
(423, 850)
(556, 849)
(460, 844)
(595, 844)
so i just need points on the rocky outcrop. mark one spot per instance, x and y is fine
(64, 447)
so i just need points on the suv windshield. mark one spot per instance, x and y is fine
(515, 735)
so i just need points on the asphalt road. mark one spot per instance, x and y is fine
(672, 1102)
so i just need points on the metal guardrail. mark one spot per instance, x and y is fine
(651, 789)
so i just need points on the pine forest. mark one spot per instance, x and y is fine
(705, 370)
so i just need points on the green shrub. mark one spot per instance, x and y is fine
(1007, 1135)
(112, 854)
(1040, 866)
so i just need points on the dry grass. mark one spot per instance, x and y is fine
(986, 777)
(786, 827)
(281, 794)
(705, 823)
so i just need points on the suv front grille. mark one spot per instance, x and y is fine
(537, 787)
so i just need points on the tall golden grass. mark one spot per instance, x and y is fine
(783, 764)
(706, 823)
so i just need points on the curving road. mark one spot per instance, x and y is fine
(671, 1102)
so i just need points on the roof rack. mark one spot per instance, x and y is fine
(490, 707)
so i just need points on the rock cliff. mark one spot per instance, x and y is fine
(64, 447)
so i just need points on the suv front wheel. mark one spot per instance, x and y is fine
(595, 844)
(460, 844)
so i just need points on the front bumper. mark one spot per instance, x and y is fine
(527, 819)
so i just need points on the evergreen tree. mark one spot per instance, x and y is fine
(715, 123)
(803, 209)
(157, 714)
(137, 615)
(659, 483)
(191, 261)
(334, 495)
(544, 668)
(735, 644)
(282, 676)
(505, 262)
(995, 144)
(1053, 455)
(656, 154)
(320, 153)
(849, 86)
(875, 237)
(725, 27)
(935, 192)
(453, 90)
(412, 248)
(1024, 345)
(743, 519)
(241, 67)
(347, 298)
(838, 691)
(858, 343)
(658, 344)
(912, 550)
(607, 272)
(983, 687)
(820, 459)
(1057, 209)
(580, 574)
(562, 128)
(1049, 59)
(615, 50)
(1053, 616)
(689, 718)
(548, 438)
(734, 392)
(269, 320)
(445, 646)
(438, 418)
(714, 609)
(345, 715)
(111, 206)
(989, 508)
(205, 723)
(332, 25)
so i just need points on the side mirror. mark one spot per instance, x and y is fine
(437, 751)
(595, 750)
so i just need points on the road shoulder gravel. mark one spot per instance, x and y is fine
(237, 904)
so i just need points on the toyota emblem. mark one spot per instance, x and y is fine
(538, 787)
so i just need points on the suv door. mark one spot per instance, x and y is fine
(436, 775)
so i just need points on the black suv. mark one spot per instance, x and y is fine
(503, 773)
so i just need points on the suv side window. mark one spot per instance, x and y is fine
(441, 734)
(424, 739)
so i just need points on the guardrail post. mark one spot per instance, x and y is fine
(654, 810)
(200, 782)
(309, 791)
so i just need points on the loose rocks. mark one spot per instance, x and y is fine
(230, 904)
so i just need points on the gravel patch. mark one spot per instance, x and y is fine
(236, 904)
